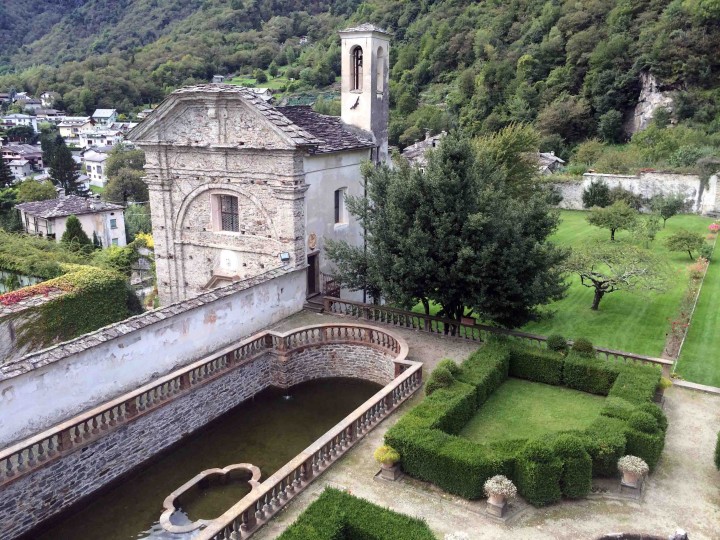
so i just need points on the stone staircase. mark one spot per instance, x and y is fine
(314, 303)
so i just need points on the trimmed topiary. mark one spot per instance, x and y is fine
(643, 421)
(645, 439)
(557, 343)
(576, 478)
(536, 365)
(656, 412)
(538, 474)
(583, 347)
(717, 452)
(386, 455)
(439, 378)
(450, 365)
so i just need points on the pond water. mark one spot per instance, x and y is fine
(267, 431)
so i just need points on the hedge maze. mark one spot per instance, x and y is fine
(544, 469)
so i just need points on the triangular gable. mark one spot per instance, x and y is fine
(223, 115)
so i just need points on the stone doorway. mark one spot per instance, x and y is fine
(313, 274)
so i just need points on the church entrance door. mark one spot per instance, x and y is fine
(312, 274)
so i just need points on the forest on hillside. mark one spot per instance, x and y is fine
(571, 68)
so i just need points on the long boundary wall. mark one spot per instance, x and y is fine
(648, 184)
(46, 387)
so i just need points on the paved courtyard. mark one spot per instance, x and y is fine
(683, 493)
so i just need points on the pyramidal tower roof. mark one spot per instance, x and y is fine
(365, 27)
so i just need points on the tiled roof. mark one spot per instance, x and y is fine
(298, 135)
(103, 113)
(365, 27)
(332, 134)
(65, 206)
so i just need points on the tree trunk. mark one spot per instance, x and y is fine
(612, 235)
(426, 305)
(690, 253)
(596, 301)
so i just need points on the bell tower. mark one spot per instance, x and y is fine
(365, 100)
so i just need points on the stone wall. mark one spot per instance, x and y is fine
(647, 184)
(37, 496)
(49, 386)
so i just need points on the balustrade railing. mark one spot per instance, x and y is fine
(256, 508)
(37, 451)
(464, 330)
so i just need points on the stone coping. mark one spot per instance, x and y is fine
(120, 329)
(169, 503)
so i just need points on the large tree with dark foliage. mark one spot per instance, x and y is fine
(63, 169)
(7, 178)
(458, 233)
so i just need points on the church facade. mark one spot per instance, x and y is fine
(239, 188)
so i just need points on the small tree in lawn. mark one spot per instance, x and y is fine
(596, 194)
(617, 216)
(646, 229)
(667, 205)
(685, 240)
(74, 235)
(608, 268)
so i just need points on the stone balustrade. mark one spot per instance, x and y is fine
(469, 330)
(259, 506)
(69, 436)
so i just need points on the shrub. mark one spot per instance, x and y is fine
(645, 439)
(386, 455)
(439, 378)
(643, 421)
(596, 194)
(618, 408)
(576, 478)
(636, 383)
(588, 374)
(450, 365)
(656, 412)
(605, 441)
(706, 251)
(486, 369)
(336, 515)
(538, 474)
(717, 452)
(536, 365)
(583, 347)
(557, 343)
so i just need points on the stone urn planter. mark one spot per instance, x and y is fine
(388, 459)
(499, 489)
(633, 471)
(664, 384)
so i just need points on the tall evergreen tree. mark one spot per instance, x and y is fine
(63, 170)
(7, 178)
(74, 236)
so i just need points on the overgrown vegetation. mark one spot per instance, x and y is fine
(543, 468)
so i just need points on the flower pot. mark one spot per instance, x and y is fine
(631, 479)
(390, 472)
(497, 500)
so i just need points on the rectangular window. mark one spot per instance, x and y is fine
(340, 213)
(229, 218)
(113, 223)
(114, 241)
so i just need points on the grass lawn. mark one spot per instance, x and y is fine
(522, 409)
(96, 190)
(627, 321)
(700, 359)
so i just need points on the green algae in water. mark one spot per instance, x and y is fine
(266, 431)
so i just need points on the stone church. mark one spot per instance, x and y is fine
(239, 188)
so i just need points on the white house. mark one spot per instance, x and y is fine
(104, 117)
(48, 218)
(21, 168)
(94, 160)
(238, 187)
(71, 127)
(19, 119)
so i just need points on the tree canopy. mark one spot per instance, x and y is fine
(31, 190)
(617, 216)
(458, 234)
(74, 236)
(684, 240)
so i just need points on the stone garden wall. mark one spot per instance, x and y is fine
(647, 184)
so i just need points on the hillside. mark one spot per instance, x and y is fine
(571, 67)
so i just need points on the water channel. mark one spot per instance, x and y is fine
(266, 431)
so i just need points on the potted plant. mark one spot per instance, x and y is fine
(633, 470)
(499, 489)
(388, 458)
(664, 384)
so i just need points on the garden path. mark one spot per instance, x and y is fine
(683, 493)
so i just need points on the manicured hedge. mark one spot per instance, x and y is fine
(546, 469)
(339, 516)
(717, 452)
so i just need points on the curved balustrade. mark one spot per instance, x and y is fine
(469, 331)
(37, 451)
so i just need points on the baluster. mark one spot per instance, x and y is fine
(7, 469)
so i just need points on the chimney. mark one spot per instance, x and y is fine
(61, 193)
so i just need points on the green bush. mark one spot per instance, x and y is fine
(439, 378)
(576, 478)
(717, 452)
(656, 412)
(583, 347)
(644, 422)
(450, 365)
(618, 408)
(636, 383)
(336, 515)
(536, 365)
(486, 370)
(557, 343)
(605, 441)
(588, 374)
(645, 439)
(537, 474)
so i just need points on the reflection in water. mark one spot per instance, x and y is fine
(266, 431)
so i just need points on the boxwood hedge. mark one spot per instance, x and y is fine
(339, 516)
(543, 470)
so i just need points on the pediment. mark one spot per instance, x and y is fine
(211, 120)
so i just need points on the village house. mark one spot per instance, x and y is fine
(548, 162)
(26, 152)
(48, 99)
(416, 153)
(104, 117)
(94, 160)
(32, 105)
(239, 187)
(20, 168)
(20, 119)
(47, 218)
(71, 127)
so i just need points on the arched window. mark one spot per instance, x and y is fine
(356, 57)
(380, 75)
